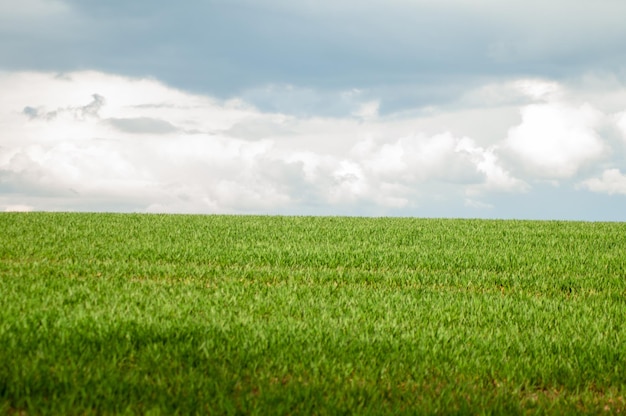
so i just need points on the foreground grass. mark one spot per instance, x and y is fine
(104, 313)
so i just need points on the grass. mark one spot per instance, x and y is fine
(165, 314)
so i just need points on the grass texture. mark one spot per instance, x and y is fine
(181, 314)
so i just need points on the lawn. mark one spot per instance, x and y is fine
(184, 314)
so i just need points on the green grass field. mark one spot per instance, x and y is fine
(162, 314)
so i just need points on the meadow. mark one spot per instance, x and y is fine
(183, 314)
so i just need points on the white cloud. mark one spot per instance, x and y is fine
(76, 142)
(349, 182)
(414, 158)
(555, 139)
(497, 178)
(611, 182)
(89, 140)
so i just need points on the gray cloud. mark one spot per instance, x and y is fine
(411, 53)
(78, 112)
(30, 112)
(142, 125)
(93, 107)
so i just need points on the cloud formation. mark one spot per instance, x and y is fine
(96, 141)
(555, 140)
(418, 51)
(611, 182)
(395, 107)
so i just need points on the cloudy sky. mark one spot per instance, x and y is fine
(426, 108)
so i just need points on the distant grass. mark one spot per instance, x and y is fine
(103, 313)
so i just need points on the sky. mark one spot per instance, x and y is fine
(420, 108)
